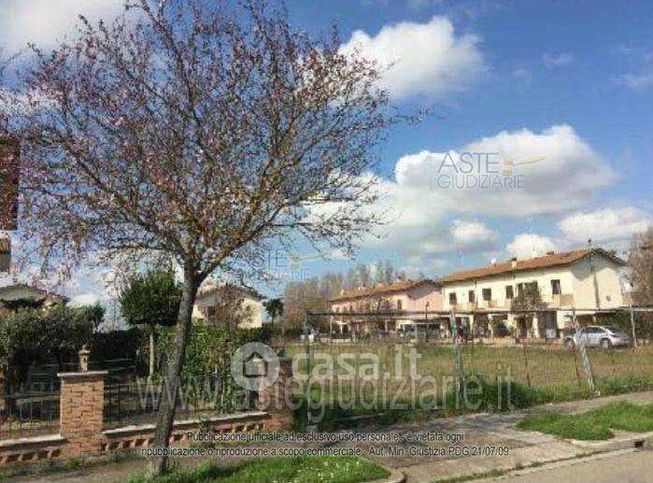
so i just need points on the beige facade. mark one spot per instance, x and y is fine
(214, 303)
(566, 283)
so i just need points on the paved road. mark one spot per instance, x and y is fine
(623, 467)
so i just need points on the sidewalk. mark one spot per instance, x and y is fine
(525, 448)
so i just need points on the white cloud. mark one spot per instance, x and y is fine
(604, 225)
(567, 174)
(421, 58)
(553, 60)
(527, 245)
(473, 236)
(45, 22)
(523, 75)
(422, 214)
(637, 80)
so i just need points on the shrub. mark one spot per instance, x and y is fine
(208, 356)
(479, 394)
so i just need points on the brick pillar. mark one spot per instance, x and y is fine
(80, 411)
(277, 400)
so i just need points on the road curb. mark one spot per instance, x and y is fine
(632, 440)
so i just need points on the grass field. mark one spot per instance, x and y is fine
(535, 365)
(593, 425)
(537, 373)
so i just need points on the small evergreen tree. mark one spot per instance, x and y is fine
(274, 309)
(151, 298)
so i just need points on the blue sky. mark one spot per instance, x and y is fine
(569, 82)
(585, 65)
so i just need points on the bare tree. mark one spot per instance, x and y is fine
(640, 260)
(205, 132)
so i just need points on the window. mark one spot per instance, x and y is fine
(520, 288)
(452, 298)
(510, 293)
(487, 294)
(471, 296)
(398, 304)
(555, 287)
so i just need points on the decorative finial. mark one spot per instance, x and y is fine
(83, 358)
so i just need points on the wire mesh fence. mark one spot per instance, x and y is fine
(390, 369)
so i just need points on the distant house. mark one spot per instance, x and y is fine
(229, 304)
(13, 297)
(586, 281)
(403, 301)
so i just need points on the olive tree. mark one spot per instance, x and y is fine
(202, 131)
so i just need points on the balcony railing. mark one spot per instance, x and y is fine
(561, 300)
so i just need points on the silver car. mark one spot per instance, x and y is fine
(596, 335)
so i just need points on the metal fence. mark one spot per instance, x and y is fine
(29, 414)
(137, 401)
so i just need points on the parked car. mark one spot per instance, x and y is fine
(595, 336)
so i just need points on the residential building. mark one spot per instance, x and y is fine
(402, 302)
(229, 304)
(580, 281)
(17, 296)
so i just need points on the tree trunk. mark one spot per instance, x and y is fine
(151, 364)
(167, 406)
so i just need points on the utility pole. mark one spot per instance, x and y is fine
(632, 314)
(426, 320)
(587, 364)
(459, 375)
(597, 297)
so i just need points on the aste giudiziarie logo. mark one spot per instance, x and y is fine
(481, 171)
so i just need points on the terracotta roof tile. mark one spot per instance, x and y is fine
(546, 261)
(211, 289)
(398, 286)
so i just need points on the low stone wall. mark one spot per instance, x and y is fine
(141, 436)
(31, 449)
(81, 422)
(57, 446)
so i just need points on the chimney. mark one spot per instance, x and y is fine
(513, 262)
